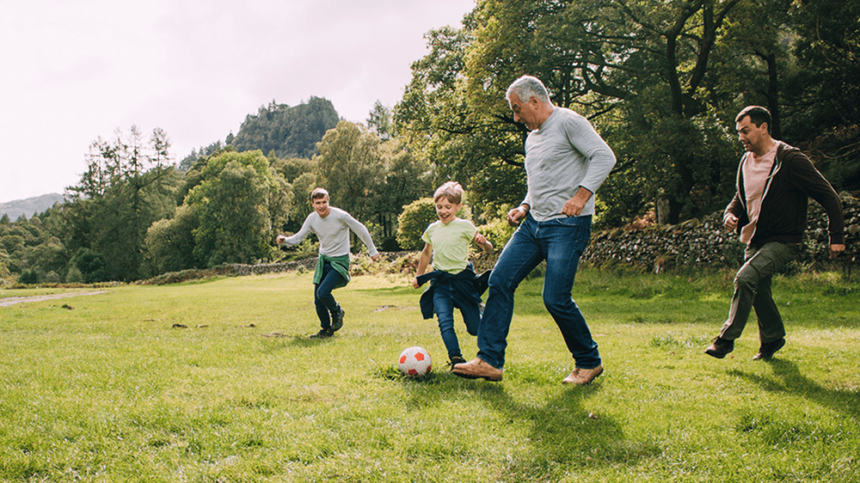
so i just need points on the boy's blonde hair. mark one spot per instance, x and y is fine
(451, 190)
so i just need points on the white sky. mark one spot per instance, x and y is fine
(74, 70)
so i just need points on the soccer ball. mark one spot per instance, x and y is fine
(415, 361)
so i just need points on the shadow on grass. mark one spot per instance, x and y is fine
(792, 381)
(564, 436)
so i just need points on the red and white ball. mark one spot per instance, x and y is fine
(415, 361)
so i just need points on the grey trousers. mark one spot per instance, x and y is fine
(752, 291)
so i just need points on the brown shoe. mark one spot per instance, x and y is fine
(477, 368)
(766, 351)
(583, 376)
(720, 347)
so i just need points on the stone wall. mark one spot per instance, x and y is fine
(705, 242)
(691, 244)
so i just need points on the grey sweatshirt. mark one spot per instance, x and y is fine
(562, 155)
(333, 233)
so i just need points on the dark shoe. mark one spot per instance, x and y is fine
(720, 347)
(477, 368)
(766, 351)
(337, 323)
(582, 377)
(456, 360)
(323, 334)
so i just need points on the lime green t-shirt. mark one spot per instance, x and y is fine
(450, 244)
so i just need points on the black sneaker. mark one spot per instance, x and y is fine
(456, 360)
(720, 347)
(337, 323)
(766, 351)
(323, 334)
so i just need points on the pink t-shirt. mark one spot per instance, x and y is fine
(756, 172)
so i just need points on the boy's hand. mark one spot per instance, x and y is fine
(482, 241)
(375, 258)
(415, 282)
(281, 239)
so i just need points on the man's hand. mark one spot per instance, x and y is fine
(574, 206)
(415, 282)
(835, 250)
(730, 222)
(375, 258)
(515, 215)
(281, 239)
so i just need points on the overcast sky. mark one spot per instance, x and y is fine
(71, 71)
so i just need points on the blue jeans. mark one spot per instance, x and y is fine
(560, 242)
(443, 305)
(324, 301)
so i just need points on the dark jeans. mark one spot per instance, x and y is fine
(325, 303)
(443, 305)
(752, 291)
(560, 242)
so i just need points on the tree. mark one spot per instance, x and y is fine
(370, 178)
(127, 186)
(461, 142)
(642, 71)
(823, 112)
(170, 242)
(617, 62)
(238, 202)
(351, 168)
(380, 122)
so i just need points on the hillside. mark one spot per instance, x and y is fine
(29, 206)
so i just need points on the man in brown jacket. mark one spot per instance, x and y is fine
(774, 184)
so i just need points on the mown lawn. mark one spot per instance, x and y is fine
(217, 381)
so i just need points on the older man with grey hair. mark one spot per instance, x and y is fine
(566, 162)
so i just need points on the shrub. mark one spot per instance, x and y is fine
(413, 221)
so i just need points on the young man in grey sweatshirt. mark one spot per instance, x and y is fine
(331, 225)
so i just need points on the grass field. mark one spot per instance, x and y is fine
(111, 388)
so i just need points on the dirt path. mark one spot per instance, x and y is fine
(39, 298)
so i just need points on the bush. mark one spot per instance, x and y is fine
(73, 275)
(413, 221)
(29, 277)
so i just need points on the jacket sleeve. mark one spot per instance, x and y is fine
(812, 182)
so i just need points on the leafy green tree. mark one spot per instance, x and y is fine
(442, 127)
(631, 63)
(351, 168)
(238, 202)
(380, 121)
(127, 186)
(823, 112)
(407, 178)
(170, 242)
(370, 178)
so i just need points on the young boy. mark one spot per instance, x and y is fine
(453, 280)
(331, 225)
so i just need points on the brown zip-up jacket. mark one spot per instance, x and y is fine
(792, 181)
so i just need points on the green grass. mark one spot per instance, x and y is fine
(112, 391)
